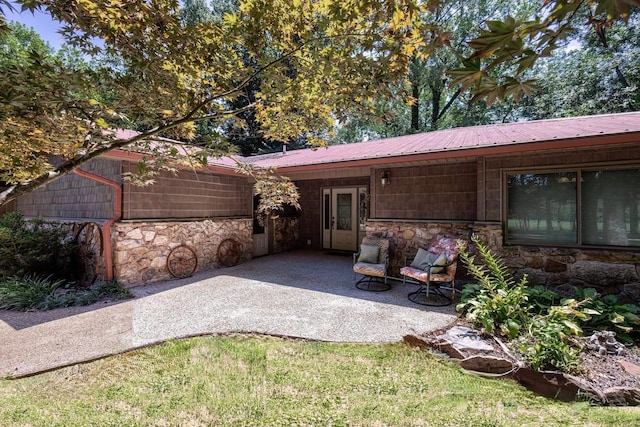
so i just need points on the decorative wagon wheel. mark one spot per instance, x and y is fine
(229, 252)
(90, 248)
(182, 262)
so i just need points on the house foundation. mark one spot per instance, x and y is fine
(141, 248)
(561, 269)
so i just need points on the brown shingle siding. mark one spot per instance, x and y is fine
(443, 191)
(189, 194)
(73, 196)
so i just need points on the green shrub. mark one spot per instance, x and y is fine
(27, 292)
(34, 292)
(550, 340)
(542, 332)
(501, 303)
(33, 247)
(620, 318)
(86, 296)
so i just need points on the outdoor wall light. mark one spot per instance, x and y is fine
(385, 178)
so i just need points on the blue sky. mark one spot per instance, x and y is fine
(41, 23)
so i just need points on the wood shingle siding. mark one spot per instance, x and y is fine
(189, 194)
(73, 196)
(431, 192)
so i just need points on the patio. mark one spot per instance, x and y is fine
(303, 294)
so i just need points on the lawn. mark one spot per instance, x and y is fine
(257, 381)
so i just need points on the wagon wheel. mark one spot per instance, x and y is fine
(182, 262)
(89, 241)
(229, 252)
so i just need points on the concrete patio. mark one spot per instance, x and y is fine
(302, 294)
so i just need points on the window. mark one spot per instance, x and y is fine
(581, 207)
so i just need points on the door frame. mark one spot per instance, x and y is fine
(328, 213)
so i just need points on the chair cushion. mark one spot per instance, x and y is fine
(369, 254)
(383, 244)
(378, 270)
(423, 275)
(425, 259)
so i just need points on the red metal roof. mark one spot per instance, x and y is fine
(520, 136)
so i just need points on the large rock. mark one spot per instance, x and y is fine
(603, 274)
(491, 365)
(622, 396)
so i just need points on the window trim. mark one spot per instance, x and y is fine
(578, 169)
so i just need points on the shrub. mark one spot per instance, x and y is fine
(34, 292)
(544, 333)
(27, 292)
(32, 247)
(609, 315)
(501, 303)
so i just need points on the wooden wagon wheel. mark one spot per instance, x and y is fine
(90, 248)
(182, 262)
(229, 252)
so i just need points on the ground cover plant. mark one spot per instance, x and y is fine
(37, 268)
(262, 381)
(542, 330)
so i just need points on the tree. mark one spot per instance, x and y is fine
(592, 79)
(314, 61)
(449, 87)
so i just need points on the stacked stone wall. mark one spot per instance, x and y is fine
(406, 237)
(141, 248)
(286, 234)
(561, 269)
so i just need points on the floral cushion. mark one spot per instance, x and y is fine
(446, 246)
(423, 276)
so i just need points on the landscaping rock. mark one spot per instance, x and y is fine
(603, 274)
(556, 385)
(629, 367)
(622, 396)
(487, 365)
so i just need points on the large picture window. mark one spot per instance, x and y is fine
(580, 207)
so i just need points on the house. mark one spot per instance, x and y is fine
(557, 199)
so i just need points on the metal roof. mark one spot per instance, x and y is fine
(519, 136)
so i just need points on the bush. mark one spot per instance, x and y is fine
(28, 292)
(500, 302)
(609, 315)
(542, 332)
(44, 293)
(33, 247)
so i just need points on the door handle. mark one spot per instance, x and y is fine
(333, 221)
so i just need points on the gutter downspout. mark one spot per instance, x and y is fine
(106, 227)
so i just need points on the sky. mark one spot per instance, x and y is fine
(41, 23)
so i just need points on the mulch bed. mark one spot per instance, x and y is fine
(603, 379)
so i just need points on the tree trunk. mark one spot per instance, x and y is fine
(415, 107)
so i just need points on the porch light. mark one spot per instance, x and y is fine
(385, 178)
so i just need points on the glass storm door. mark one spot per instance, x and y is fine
(340, 219)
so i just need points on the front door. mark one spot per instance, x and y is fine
(340, 219)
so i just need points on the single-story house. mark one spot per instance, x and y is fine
(556, 199)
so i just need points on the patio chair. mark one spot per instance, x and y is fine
(372, 261)
(432, 268)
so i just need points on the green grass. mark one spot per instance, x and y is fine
(255, 381)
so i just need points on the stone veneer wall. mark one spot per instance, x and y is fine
(560, 269)
(141, 248)
(565, 269)
(286, 233)
(406, 236)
